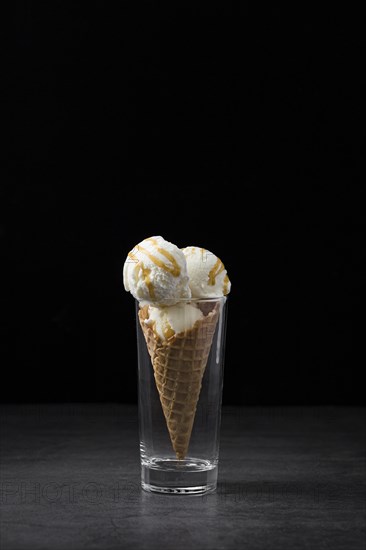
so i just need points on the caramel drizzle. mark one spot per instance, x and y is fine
(174, 269)
(133, 256)
(215, 271)
(152, 240)
(168, 331)
(148, 282)
(226, 285)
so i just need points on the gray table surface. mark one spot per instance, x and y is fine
(289, 478)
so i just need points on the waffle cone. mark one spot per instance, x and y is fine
(179, 364)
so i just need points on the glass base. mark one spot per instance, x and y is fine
(179, 477)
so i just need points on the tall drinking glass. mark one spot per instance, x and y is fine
(180, 391)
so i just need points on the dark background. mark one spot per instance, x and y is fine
(233, 131)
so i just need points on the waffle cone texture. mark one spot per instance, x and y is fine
(179, 364)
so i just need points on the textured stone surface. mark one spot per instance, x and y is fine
(289, 478)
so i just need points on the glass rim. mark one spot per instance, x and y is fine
(183, 301)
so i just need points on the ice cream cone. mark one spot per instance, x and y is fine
(179, 364)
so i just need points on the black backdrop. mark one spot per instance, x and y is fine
(212, 128)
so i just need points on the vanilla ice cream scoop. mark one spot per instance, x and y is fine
(207, 274)
(168, 321)
(155, 271)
